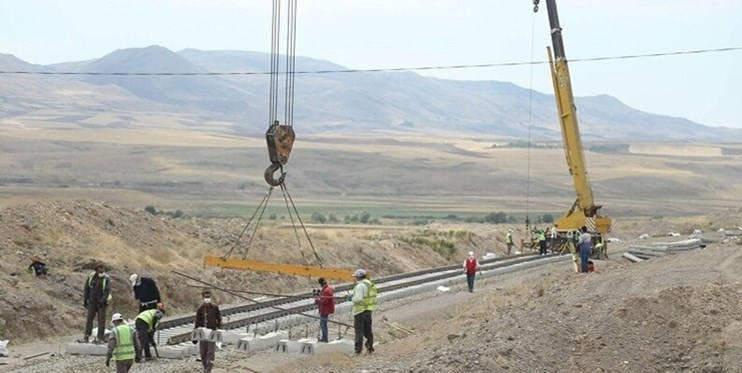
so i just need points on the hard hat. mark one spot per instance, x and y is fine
(133, 279)
(359, 273)
(117, 317)
(471, 253)
(510, 230)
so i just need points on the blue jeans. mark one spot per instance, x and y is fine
(323, 327)
(584, 257)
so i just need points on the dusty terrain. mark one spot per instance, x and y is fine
(672, 314)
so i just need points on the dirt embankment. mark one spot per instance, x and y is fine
(72, 236)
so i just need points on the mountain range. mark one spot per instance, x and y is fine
(327, 100)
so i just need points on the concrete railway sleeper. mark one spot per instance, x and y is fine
(259, 315)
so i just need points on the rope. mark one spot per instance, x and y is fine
(304, 228)
(255, 230)
(293, 224)
(239, 237)
(390, 69)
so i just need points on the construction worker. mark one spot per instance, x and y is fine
(37, 267)
(146, 324)
(207, 316)
(509, 240)
(541, 242)
(326, 304)
(145, 291)
(471, 266)
(553, 238)
(97, 294)
(364, 304)
(585, 246)
(123, 346)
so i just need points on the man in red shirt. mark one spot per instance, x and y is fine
(326, 303)
(471, 266)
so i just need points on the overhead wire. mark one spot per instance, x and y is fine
(274, 62)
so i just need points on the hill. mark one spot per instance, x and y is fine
(325, 100)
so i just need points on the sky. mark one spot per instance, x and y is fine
(369, 34)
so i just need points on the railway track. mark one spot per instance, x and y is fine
(177, 330)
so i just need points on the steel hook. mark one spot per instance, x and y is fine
(271, 170)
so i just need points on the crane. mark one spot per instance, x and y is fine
(584, 211)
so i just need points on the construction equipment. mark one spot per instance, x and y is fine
(584, 211)
(280, 139)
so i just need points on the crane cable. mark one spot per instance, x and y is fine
(530, 123)
(289, 78)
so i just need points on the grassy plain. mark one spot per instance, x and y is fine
(386, 175)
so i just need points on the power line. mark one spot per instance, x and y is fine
(391, 69)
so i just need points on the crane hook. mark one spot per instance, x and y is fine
(271, 170)
(535, 6)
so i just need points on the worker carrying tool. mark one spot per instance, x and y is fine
(145, 291)
(123, 346)
(146, 325)
(207, 316)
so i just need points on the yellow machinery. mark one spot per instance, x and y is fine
(584, 211)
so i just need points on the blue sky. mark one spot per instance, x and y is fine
(401, 33)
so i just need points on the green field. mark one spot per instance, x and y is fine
(387, 176)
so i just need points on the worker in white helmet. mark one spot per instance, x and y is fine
(364, 304)
(123, 346)
(471, 266)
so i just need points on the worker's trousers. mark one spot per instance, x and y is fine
(470, 281)
(323, 327)
(145, 338)
(207, 349)
(362, 328)
(124, 366)
(93, 310)
(584, 257)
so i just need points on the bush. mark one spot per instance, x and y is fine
(151, 209)
(318, 217)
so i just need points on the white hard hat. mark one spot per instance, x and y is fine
(359, 273)
(117, 317)
(510, 230)
(133, 279)
(471, 253)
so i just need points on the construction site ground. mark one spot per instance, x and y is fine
(677, 313)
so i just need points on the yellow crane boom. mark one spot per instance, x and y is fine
(584, 211)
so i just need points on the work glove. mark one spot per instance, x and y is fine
(85, 304)
(194, 341)
(350, 298)
(108, 361)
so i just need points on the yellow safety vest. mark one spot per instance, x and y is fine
(102, 284)
(149, 317)
(369, 300)
(124, 349)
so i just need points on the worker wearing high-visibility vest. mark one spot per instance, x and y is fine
(145, 325)
(123, 346)
(364, 304)
(97, 295)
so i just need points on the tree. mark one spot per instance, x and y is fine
(318, 217)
